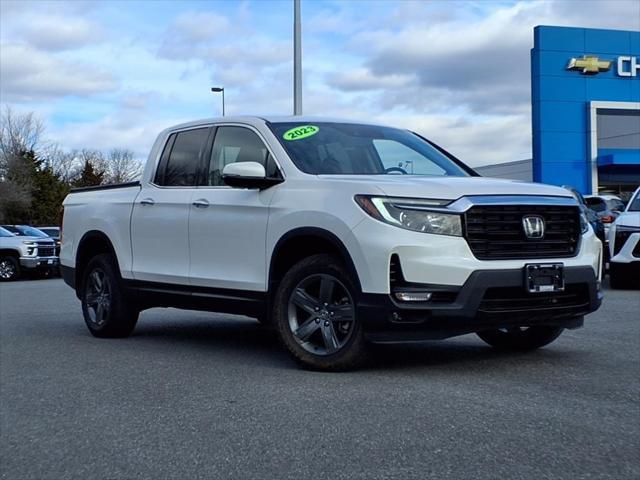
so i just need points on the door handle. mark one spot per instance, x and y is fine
(202, 203)
(147, 201)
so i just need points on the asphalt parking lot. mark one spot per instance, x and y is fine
(196, 395)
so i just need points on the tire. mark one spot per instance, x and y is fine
(521, 338)
(315, 315)
(105, 308)
(9, 268)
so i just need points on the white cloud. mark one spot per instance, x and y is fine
(27, 73)
(114, 131)
(55, 32)
(364, 79)
(191, 34)
(199, 26)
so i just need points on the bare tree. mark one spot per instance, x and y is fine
(19, 133)
(122, 166)
(65, 165)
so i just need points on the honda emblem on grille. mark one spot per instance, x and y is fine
(533, 226)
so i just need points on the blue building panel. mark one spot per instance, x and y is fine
(606, 41)
(563, 146)
(634, 40)
(570, 173)
(559, 38)
(614, 90)
(561, 97)
(562, 117)
(618, 156)
(635, 91)
(562, 88)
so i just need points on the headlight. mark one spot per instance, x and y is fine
(412, 214)
(30, 243)
(584, 223)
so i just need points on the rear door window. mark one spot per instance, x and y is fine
(180, 162)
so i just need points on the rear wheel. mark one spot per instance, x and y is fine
(521, 338)
(315, 315)
(9, 268)
(104, 305)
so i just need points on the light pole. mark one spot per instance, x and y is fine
(218, 90)
(297, 60)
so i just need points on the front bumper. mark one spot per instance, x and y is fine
(39, 262)
(630, 251)
(489, 299)
(439, 259)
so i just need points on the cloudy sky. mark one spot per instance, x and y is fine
(106, 74)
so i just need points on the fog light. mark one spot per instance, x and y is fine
(413, 296)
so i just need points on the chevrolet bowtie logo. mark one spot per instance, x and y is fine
(589, 65)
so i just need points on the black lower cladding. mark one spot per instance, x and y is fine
(489, 299)
(154, 294)
(68, 275)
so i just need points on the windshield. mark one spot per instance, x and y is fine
(596, 204)
(52, 232)
(5, 233)
(352, 149)
(25, 231)
(634, 206)
(613, 204)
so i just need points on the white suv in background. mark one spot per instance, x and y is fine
(624, 246)
(338, 233)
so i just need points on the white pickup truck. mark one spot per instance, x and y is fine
(337, 233)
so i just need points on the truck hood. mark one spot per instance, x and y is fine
(629, 219)
(27, 238)
(446, 188)
(18, 239)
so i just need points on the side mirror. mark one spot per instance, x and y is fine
(247, 175)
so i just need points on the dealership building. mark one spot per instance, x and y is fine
(585, 93)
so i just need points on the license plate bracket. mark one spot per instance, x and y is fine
(544, 277)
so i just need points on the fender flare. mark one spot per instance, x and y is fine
(320, 233)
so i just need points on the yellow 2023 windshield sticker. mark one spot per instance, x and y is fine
(298, 133)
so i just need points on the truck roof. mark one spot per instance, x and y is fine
(253, 120)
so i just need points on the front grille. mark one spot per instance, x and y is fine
(636, 250)
(47, 250)
(516, 299)
(496, 232)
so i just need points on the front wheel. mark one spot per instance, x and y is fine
(106, 310)
(521, 338)
(315, 315)
(9, 268)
